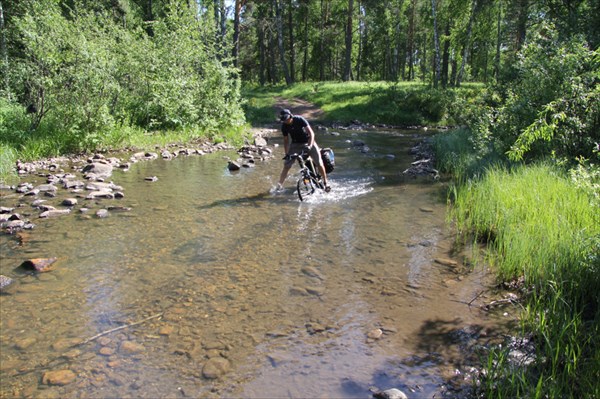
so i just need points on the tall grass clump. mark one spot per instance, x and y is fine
(542, 228)
(8, 157)
(456, 155)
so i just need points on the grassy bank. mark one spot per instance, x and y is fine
(49, 139)
(400, 103)
(544, 230)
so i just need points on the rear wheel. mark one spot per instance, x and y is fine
(306, 187)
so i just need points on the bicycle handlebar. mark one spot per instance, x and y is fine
(295, 155)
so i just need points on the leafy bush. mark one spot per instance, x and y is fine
(14, 124)
(549, 107)
(87, 76)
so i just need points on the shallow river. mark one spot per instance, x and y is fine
(239, 291)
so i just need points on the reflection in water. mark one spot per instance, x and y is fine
(261, 295)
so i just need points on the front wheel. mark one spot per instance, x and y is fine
(306, 187)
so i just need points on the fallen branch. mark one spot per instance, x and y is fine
(117, 329)
(46, 364)
(476, 296)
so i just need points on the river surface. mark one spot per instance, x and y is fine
(241, 291)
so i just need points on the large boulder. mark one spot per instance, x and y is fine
(97, 170)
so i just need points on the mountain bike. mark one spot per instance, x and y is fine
(310, 179)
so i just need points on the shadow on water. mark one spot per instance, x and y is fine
(257, 200)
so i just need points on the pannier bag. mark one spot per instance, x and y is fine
(328, 159)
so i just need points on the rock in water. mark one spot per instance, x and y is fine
(38, 264)
(392, 393)
(5, 282)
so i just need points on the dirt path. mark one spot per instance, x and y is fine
(300, 107)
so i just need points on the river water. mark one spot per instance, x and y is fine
(241, 291)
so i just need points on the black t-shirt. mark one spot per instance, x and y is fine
(296, 129)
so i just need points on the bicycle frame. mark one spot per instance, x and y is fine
(310, 179)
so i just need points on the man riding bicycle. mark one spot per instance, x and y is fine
(302, 138)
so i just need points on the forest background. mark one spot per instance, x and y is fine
(519, 78)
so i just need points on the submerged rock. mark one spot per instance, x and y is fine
(233, 166)
(40, 265)
(392, 393)
(5, 282)
(215, 367)
(58, 377)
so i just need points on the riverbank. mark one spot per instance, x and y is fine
(540, 228)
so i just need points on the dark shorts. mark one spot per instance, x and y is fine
(296, 148)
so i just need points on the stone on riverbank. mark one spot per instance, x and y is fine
(96, 170)
(54, 212)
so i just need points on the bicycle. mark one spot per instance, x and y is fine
(310, 179)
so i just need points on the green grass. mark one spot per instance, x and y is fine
(403, 103)
(17, 141)
(541, 226)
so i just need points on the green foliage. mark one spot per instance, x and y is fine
(540, 226)
(14, 124)
(94, 80)
(8, 158)
(456, 154)
(549, 107)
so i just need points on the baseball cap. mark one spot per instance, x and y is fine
(285, 114)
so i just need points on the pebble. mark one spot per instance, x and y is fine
(106, 351)
(130, 347)
(166, 330)
(375, 334)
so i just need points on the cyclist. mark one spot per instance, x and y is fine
(302, 137)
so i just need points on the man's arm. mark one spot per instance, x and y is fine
(286, 143)
(311, 136)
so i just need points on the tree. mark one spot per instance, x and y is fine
(436, 39)
(3, 51)
(280, 45)
(239, 4)
(349, 33)
(467, 43)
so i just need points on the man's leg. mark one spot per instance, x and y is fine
(324, 175)
(315, 154)
(284, 173)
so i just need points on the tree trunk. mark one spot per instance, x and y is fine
(222, 28)
(322, 43)
(446, 56)
(436, 40)
(262, 57)
(523, 9)
(292, 45)
(348, 54)
(411, 40)
(360, 43)
(3, 51)
(149, 18)
(236, 31)
(305, 58)
(396, 51)
(280, 46)
(467, 43)
(498, 42)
